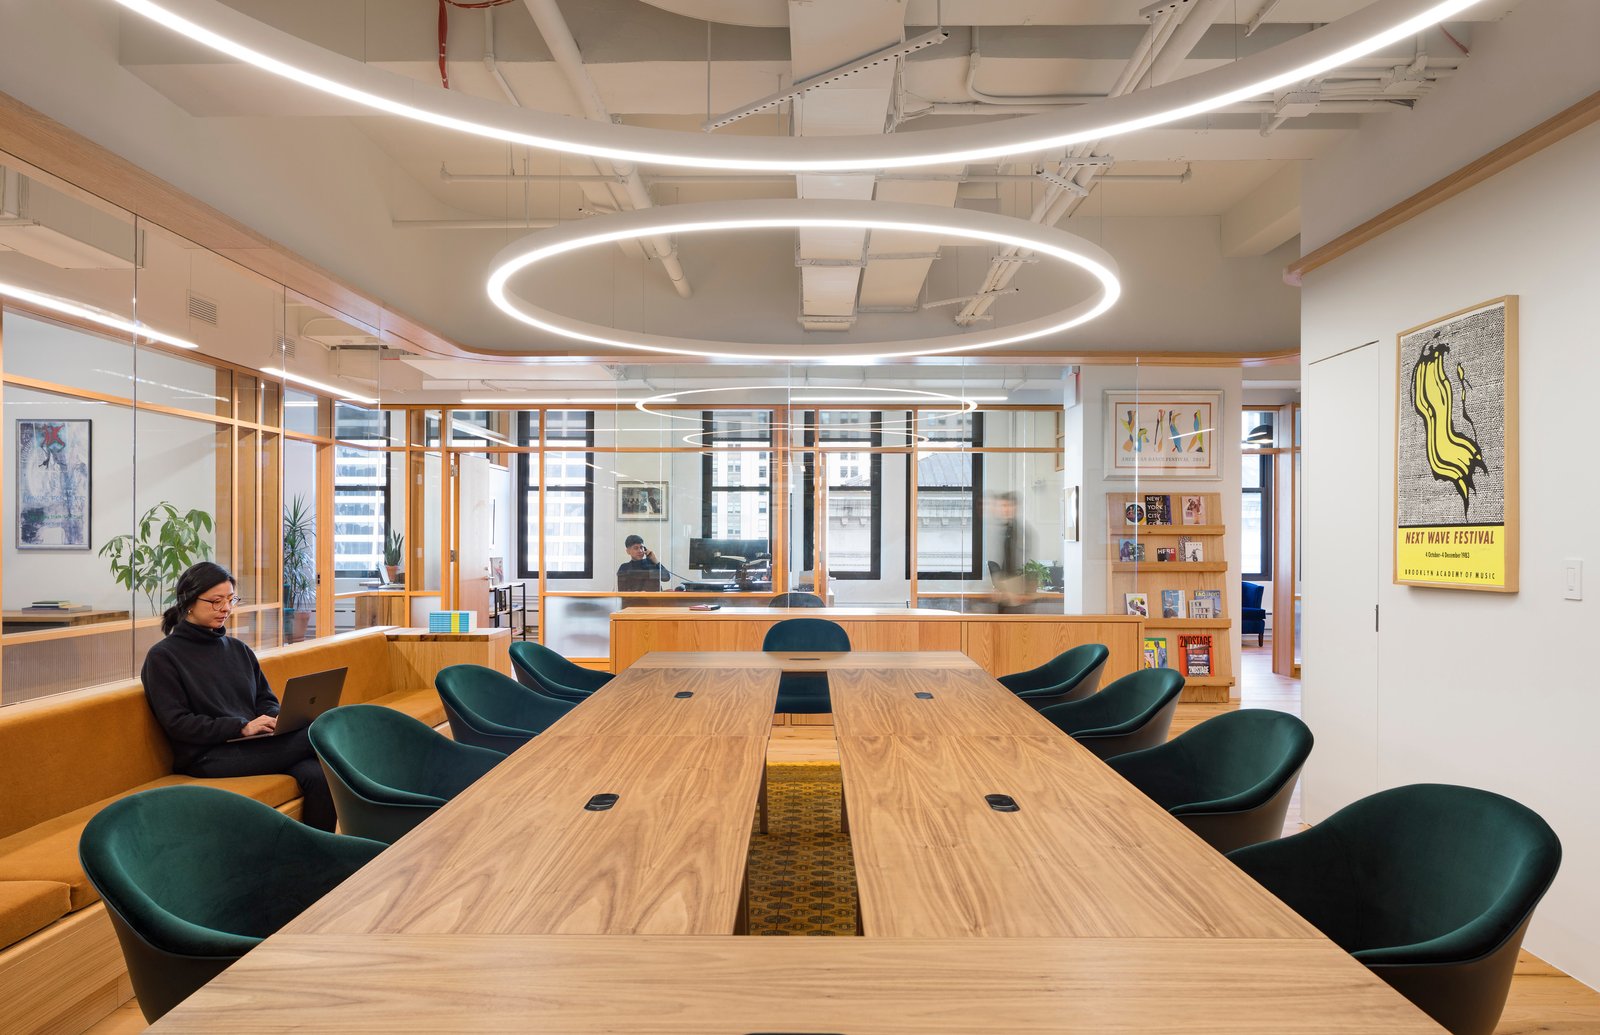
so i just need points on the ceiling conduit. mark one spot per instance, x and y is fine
(564, 48)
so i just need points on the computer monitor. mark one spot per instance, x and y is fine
(724, 554)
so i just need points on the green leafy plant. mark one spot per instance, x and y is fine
(1036, 574)
(299, 556)
(166, 543)
(394, 548)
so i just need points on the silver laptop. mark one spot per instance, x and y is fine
(303, 699)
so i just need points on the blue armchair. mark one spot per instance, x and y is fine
(1252, 616)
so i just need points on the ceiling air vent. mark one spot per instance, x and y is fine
(202, 309)
(285, 345)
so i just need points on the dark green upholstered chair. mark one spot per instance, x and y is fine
(805, 693)
(195, 877)
(1229, 779)
(543, 671)
(388, 772)
(796, 600)
(1131, 714)
(489, 710)
(1069, 676)
(1430, 885)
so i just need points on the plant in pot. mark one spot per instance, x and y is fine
(150, 560)
(299, 566)
(393, 550)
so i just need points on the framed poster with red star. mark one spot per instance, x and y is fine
(53, 484)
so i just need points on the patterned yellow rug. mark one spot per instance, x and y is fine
(802, 878)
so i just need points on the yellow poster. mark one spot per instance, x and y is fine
(1455, 451)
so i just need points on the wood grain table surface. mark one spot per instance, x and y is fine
(958, 701)
(804, 660)
(645, 702)
(1085, 854)
(731, 986)
(518, 853)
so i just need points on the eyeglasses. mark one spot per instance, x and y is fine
(233, 601)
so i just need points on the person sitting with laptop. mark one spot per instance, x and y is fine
(641, 572)
(207, 689)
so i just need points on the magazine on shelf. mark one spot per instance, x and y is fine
(1155, 652)
(1172, 603)
(1196, 652)
(1130, 550)
(1133, 514)
(1137, 604)
(1191, 549)
(1157, 509)
(1194, 510)
(1166, 553)
(1207, 600)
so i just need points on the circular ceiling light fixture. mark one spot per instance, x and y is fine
(241, 37)
(798, 214)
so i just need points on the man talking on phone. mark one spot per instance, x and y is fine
(641, 572)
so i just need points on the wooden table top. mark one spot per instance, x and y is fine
(642, 702)
(517, 852)
(965, 700)
(57, 617)
(721, 661)
(733, 986)
(1086, 855)
(655, 614)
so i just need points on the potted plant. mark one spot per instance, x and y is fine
(299, 566)
(393, 551)
(165, 544)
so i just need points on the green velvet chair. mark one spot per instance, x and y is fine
(1430, 885)
(1069, 676)
(805, 693)
(1131, 714)
(1229, 779)
(195, 877)
(543, 671)
(490, 710)
(388, 772)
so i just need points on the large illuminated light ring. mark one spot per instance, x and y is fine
(800, 213)
(223, 29)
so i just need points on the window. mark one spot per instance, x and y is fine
(737, 499)
(1255, 522)
(855, 495)
(949, 493)
(565, 491)
(360, 492)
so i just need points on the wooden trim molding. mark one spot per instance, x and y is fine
(1551, 131)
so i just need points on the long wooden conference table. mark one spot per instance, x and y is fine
(529, 904)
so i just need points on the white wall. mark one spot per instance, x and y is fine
(1476, 688)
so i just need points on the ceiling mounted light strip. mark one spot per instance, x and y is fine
(800, 214)
(333, 390)
(227, 31)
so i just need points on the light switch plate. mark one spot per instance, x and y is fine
(1573, 578)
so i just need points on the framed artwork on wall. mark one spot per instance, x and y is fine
(53, 484)
(642, 501)
(1162, 434)
(1455, 451)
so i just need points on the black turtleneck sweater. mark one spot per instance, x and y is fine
(203, 686)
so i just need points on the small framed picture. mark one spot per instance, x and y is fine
(1194, 510)
(1137, 604)
(642, 501)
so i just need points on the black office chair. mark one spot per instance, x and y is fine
(388, 772)
(1431, 886)
(1229, 779)
(195, 877)
(543, 671)
(796, 600)
(805, 693)
(1069, 676)
(1130, 714)
(490, 710)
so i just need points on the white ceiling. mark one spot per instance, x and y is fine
(1201, 217)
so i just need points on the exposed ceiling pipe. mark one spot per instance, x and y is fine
(1202, 14)
(1350, 103)
(975, 57)
(558, 37)
(488, 58)
(540, 223)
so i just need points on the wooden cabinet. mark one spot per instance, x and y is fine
(1136, 550)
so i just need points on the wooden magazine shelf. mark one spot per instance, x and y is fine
(1152, 576)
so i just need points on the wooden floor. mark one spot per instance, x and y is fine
(1543, 1000)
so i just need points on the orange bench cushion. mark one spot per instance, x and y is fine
(27, 906)
(422, 705)
(49, 850)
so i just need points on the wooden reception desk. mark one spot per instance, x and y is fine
(998, 643)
